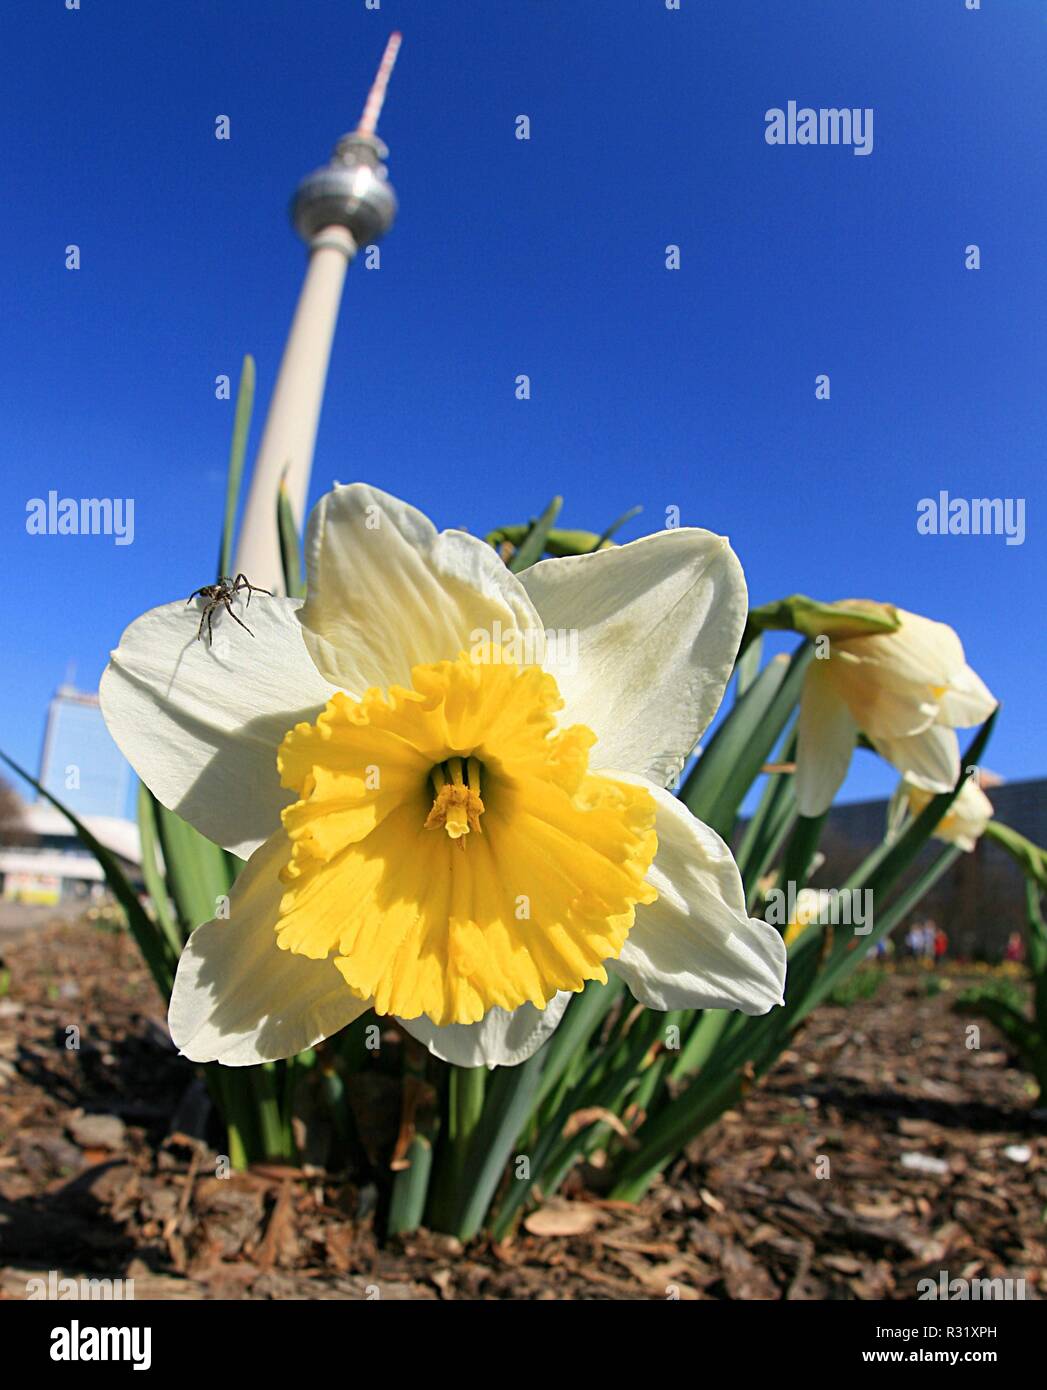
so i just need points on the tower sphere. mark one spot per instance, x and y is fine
(352, 191)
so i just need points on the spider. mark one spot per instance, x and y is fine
(222, 593)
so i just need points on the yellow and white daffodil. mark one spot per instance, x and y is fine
(443, 823)
(907, 691)
(812, 905)
(963, 824)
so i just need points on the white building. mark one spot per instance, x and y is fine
(48, 864)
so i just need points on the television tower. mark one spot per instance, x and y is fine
(346, 204)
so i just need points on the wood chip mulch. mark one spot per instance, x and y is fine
(882, 1150)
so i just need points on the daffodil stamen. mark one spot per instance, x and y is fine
(456, 808)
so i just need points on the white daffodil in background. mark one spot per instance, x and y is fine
(438, 827)
(907, 691)
(963, 824)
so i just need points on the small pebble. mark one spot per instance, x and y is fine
(98, 1131)
(924, 1163)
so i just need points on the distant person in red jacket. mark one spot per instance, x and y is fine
(941, 944)
(1015, 949)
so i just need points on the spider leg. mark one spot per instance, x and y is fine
(242, 582)
(232, 615)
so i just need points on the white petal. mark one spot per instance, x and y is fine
(201, 723)
(658, 623)
(930, 760)
(825, 739)
(898, 808)
(899, 683)
(922, 650)
(388, 592)
(500, 1039)
(967, 818)
(238, 999)
(967, 701)
(696, 947)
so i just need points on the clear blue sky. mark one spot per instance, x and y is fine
(692, 388)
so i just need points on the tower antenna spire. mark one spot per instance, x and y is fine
(347, 204)
(376, 96)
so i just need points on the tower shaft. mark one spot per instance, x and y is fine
(289, 438)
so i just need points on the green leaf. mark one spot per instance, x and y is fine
(615, 527)
(155, 948)
(231, 1094)
(198, 871)
(880, 873)
(1012, 1023)
(411, 1184)
(1036, 934)
(847, 955)
(464, 1095)
(800, 851)
(747, 667)
(290, 546)
(738, 750)
(603, 1086)
(237, 454)
(411, 1188)
(266, 1081)
(510, 1097)
(156, 887)
(532, 547)
(198, 874)
(704, 1036)
(1002, 1003)
(1030, 858)
(770, 824)
(714, 771)
(583, 1015)
(750, 1047)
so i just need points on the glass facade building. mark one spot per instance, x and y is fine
(80, 764)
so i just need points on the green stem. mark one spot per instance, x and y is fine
(466, 1087)
(229, 1094)
(467, 1101)
(274, 1134)
(411, 1187)
(511, 1101)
